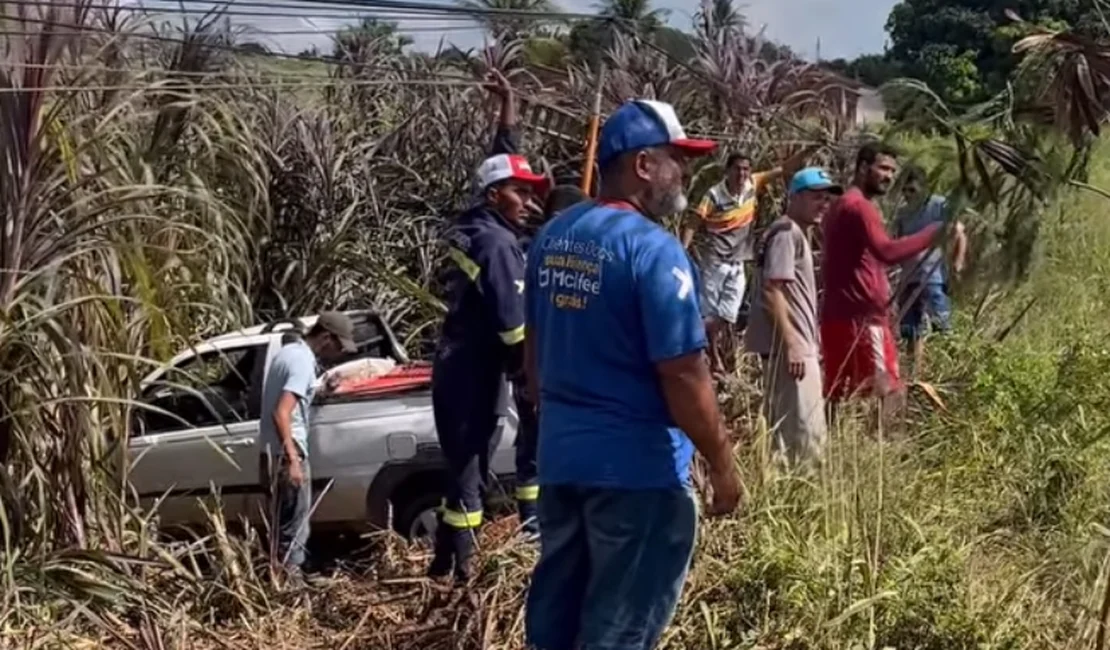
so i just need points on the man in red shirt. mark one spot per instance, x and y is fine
(858, 348)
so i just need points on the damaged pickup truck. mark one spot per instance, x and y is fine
(375, 460)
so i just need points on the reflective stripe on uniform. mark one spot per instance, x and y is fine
(527, 492)
(513, 336)
(461, 520)
(468, 266)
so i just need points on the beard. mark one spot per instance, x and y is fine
(662, 202)
(880, 187)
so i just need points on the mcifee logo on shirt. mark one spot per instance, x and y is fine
(570, 272)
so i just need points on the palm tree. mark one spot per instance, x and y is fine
(637, 14)
(1068, 75)
(719, 21)
(506, 25)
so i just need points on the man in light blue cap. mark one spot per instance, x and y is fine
(783, 326)
(614, 347)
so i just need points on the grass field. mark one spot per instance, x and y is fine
(977, 525)
(147, 208)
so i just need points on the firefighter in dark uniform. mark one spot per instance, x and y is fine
(482, 340)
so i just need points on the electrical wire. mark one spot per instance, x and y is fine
(388, 6)
(236, 49)
(74, 67)
(221, 11)
(250, 30)
(184, 88)
(425, 7)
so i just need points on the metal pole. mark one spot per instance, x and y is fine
(591, 138)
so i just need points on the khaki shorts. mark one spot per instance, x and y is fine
(795, 409)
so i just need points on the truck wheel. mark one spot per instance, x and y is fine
(416, 518)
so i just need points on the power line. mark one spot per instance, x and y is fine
(390, 7)
(422, 7)
(142, 10)
(229, 72)
(236, 49)
(185, 88)
(252, 31)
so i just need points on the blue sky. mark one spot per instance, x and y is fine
(846, 28)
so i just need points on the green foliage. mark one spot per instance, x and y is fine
(370, 34)
(548, 52)
(869, 69)
(508, 26)
(963, 49)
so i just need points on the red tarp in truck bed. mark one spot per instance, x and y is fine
(401, 378)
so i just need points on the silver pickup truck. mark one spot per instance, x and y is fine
(375, 459)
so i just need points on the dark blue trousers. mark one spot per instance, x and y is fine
(527, 485)
(467, 438)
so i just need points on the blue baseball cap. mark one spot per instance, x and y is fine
(643, 123)
(814, 178)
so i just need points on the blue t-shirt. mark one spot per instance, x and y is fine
(293, 370)
(926, 267)
(609, 294)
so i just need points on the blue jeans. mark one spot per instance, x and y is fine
(611, 568)
(290, 506)
(920, 301)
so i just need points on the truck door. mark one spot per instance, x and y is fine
(194, 439)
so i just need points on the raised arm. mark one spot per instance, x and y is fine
(675, 337)
(505, 138)
(786, 169)
(887, 250)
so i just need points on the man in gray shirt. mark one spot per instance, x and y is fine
(287, 394)
(783, 324)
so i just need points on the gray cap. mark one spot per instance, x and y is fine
(340, 326)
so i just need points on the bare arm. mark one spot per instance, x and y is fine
(788, 166)
(505, 137)
(688, 229)
(509, 117)
(779, 311)
(692, 403)
(283, 424)
(959, 247)
(694, 219)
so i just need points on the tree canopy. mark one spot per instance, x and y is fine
(963, 48)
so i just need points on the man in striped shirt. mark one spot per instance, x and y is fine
(721, 234)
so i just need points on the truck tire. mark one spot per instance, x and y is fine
(414, 518)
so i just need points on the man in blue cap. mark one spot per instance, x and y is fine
(783, 326)
(614, 347)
